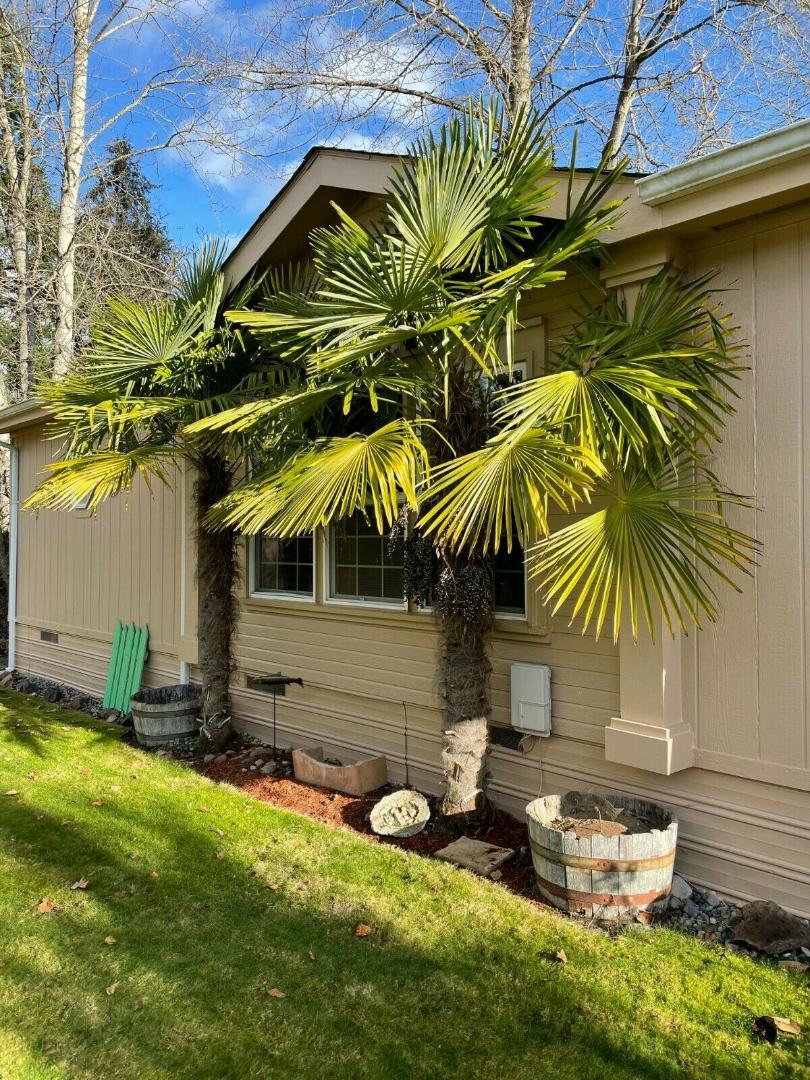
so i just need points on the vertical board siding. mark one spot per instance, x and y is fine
(746, 684)
(79, 573)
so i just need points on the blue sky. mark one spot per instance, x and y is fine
(202, 190)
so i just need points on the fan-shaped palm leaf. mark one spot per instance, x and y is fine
(662, 541)
(504, 490)
(330, 481)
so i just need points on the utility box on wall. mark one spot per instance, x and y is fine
(531, 698)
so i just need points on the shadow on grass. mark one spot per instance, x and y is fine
(198, 946)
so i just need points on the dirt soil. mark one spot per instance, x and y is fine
(351, 812)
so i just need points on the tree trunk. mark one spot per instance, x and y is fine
(17, 133)
(520, 60)
(465, 605)
(465, 608)
(217, 608)
(63, 339)
(627, 87)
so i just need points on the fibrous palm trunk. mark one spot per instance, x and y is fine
(465, 606)
(217, 608)
(464, 671)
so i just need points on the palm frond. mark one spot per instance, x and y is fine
(503, 491)
(331, 480)
(100, 475)
(663, 543)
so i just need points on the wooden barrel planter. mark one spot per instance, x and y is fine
(170, 712)
(606, 877)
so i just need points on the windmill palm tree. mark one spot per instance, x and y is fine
(123, 412)
(388, 341)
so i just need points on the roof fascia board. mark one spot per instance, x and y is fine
(355, 171)
(764, 152)
(23, 414)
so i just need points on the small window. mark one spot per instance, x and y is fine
(509, 581)
(364, 565)
(83, 502)
(284, 567)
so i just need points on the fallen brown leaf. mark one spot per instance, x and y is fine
(220, 854)
(770, 1027)
(82, 883)
(46, 906)
(363, 930)
(794, 965)
(154, 873)
(13, 791)
(496, 875)
(86, 772)
(98, 802)
(561, 956)
(204, 809)
(311, 954)
(274, 992)
(33, 775)
(110, 940)
(644, 917)
(274, 887)
(110, 990)
(219, 832)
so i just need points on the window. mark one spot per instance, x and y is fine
(283, 566)
(83, 502)
(365, 565)
(509, 580)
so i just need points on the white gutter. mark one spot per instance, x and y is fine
(765, 151)
(184, 670)
(14, 499)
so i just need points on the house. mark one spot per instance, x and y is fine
(715, 725)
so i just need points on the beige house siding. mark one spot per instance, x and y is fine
(370, 674)
(78, 574)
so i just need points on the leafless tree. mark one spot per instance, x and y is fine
(658, 80)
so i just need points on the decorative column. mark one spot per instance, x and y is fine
(651, 732)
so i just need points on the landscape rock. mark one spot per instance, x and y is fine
(710, 899)
(268, 769)
(402, 813)
(681, 889)
(769, 928)
(220, 758)
(209, 758)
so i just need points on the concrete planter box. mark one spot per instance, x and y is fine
(168, 713)
(354, 778)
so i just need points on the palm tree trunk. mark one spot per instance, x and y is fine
(464, 670)
(217, 608)
(464, 601)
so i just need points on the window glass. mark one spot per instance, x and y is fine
(284, 566)
(509, 580)
(365, 565)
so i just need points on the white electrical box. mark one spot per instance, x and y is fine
(531, 698)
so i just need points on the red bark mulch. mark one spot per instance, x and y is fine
(351, 812)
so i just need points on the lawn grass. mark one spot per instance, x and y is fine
(214, 898)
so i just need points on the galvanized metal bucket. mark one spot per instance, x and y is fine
(603, 877)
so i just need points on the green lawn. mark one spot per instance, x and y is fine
(213, 899)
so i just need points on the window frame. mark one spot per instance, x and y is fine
(347, 601)
(257, 593)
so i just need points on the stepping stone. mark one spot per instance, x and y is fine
(475, 855)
